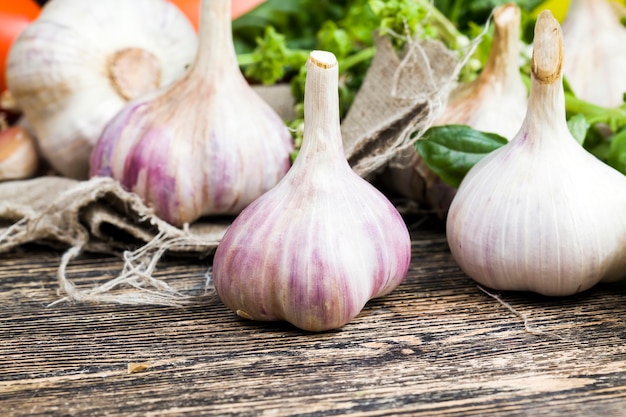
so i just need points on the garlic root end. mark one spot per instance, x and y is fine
(134, 72)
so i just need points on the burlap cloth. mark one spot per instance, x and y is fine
(399, 99)
(97, 215)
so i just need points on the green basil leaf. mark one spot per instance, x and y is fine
(451, 150)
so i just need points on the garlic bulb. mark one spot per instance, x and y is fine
(541, 213)
(19, 157)
(207, 144)
(315, 248)
(495, 101)
(78, 64)
(595, 58)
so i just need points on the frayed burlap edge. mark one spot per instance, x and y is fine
(74, 217)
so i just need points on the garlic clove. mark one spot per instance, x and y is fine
(19, 158)
(205, 145)
(595, 59)
(541, 213)
(78, 64)
(315, 248)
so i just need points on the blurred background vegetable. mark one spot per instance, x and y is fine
(80, 61)
(594, 57)
(15, 15)
(191, 8)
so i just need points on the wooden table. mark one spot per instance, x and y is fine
(438, 345)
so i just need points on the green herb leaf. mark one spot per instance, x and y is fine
(331, 38)
(401, 18)
(578, 127)
(451, 150)
(272, 58)
(617, 152)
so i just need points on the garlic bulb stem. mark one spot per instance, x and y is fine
(496, 101)
(504, 56)
(546, 102)
(320, 110)
(215, 39)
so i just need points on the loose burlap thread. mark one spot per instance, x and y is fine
(398, 100)
(98, 215)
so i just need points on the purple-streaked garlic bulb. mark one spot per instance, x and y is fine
(314, 249)
(207, 144)
(541, 213)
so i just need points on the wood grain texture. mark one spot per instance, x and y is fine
(436, 346)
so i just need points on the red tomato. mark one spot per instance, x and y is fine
(191, 8)
(11, 25)
(28, 8)
(15, 15)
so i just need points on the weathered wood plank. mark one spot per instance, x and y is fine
(435, 346)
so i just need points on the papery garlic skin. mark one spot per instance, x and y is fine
(315, 248)
(595, 58)
(495, 101)
(207, 144)
(541, 214)
(78, 64)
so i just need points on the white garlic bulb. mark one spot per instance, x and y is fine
(205, 145)
(78, 64)
(315, 248)
(595, 54)
(541, 213)
(495, 101)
